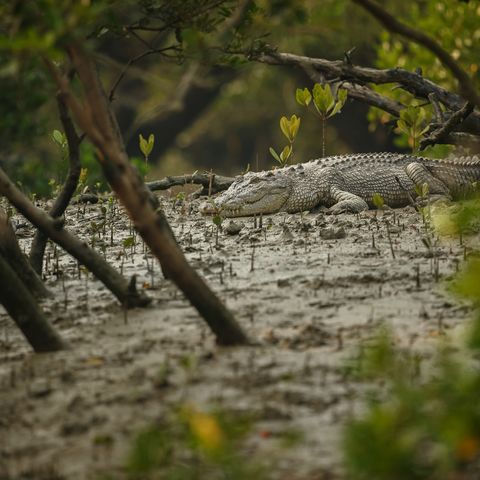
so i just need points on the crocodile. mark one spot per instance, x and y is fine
(346, 183)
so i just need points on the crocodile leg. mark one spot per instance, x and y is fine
(346, 202)
(419, 175)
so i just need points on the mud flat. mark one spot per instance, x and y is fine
(310, 289)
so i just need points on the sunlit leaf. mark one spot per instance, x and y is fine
(274, 155)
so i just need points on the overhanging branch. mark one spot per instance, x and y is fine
(468, 90)
(411, 82)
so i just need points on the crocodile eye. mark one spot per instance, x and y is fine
(255, 179)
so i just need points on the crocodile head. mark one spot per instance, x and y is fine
(254, 194)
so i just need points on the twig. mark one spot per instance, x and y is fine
(131, 62)
(218, 183)
(436, 136)
(436, 107)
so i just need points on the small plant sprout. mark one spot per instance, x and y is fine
(146, 147)
(217, 220)
(82, 180)
(290, 129)
(378, 201)
(414, 122)
(325, 103)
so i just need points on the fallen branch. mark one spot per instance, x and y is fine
(10, 251)
(25, 312)
(214, 183)
(53, 228)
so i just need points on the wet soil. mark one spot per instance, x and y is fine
(310, 289)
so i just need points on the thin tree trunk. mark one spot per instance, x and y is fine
(10, 250)
(53, 228)
(25, 312)
(37, 249)
(97, 121)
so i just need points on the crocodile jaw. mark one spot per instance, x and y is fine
(270, 203)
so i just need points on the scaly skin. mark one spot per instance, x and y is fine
(346, 183)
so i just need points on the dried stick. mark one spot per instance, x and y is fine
(441, 133)
(217, 183)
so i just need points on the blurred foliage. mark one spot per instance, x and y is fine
(193, 444)
(423, 417)
(454, 24)
(414, 122)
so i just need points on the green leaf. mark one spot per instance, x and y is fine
(285, 155)
(274, 155)
(217, 220)
(303, 97)
(58, 137)
(323, 99)
(285, 127)
(341, 99)
(151, 141)
(146, 147)
(294, 126)
(402, 125)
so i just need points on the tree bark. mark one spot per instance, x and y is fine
(25, 312)
(37, 249)
(97, 121)
(10, 250)
(53, 228)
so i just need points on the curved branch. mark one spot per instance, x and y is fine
(53, 228)
(362, 93)
(25, 312)
(467, 87)
(409, 81)
(441, 133)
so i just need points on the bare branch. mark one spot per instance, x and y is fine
(133, 60)
(441, 133)
(216, 183)
(409, 81)
(361, 93)
(467, 87)
(53, 228)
